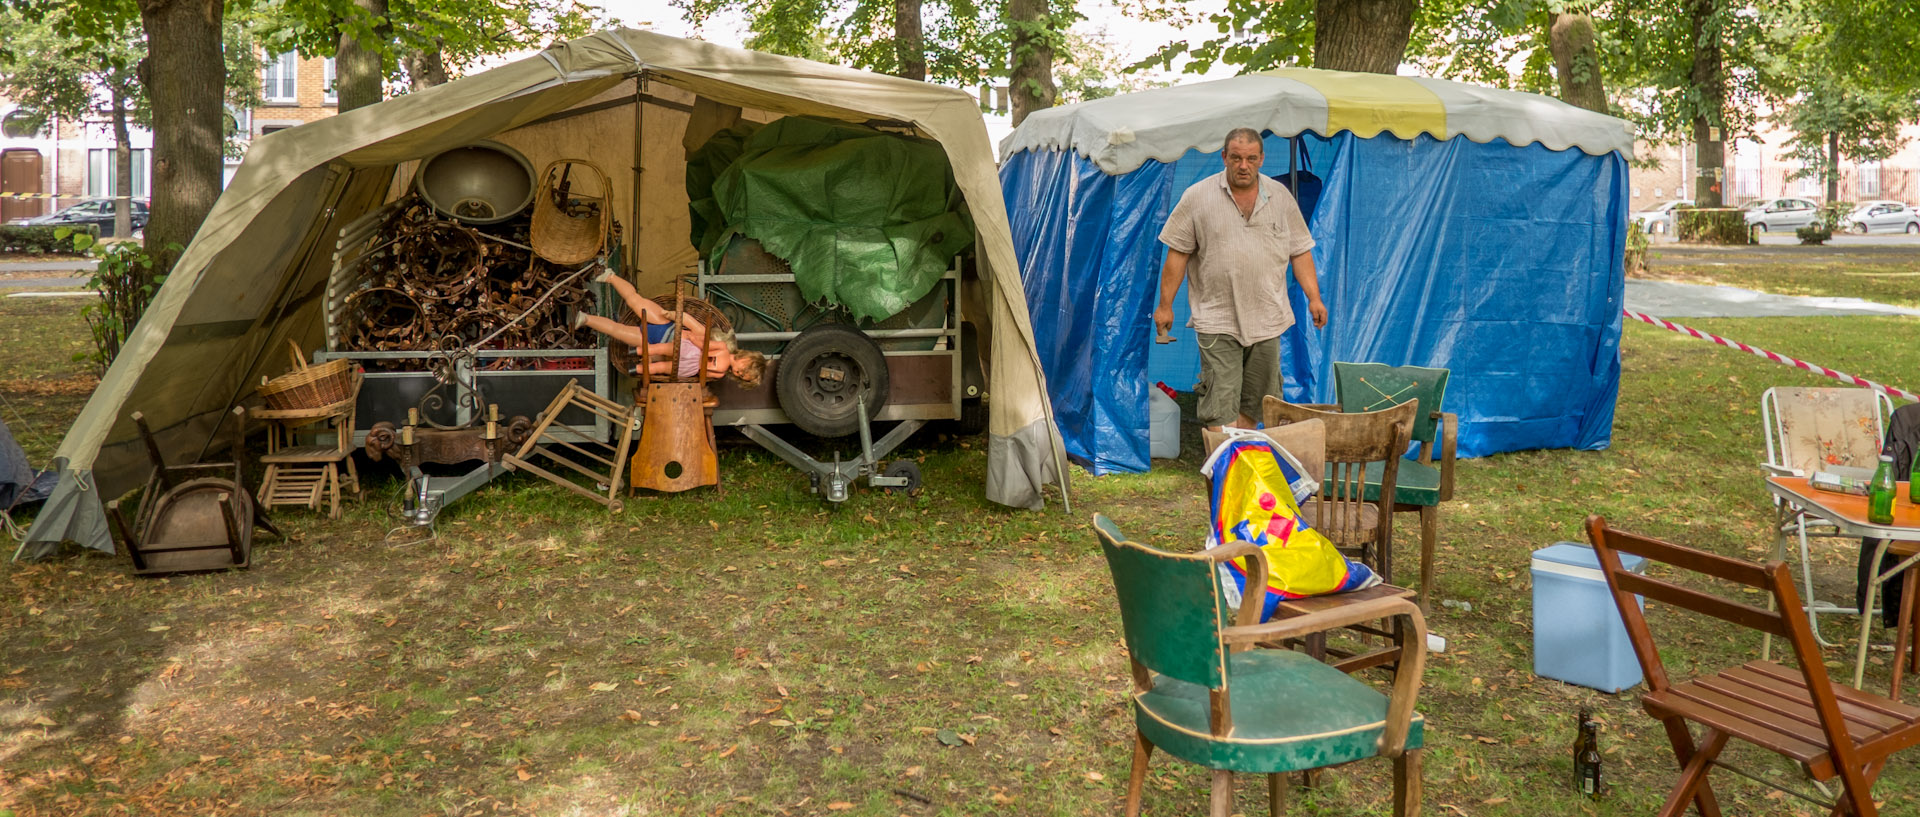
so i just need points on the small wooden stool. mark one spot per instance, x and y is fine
(300, 468)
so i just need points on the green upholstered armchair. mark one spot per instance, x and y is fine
(1423, 483)
(1204, 694)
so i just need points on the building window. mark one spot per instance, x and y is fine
(1808, 185)
(100, 178)
(1657, 194)
(1636, 192)
(23, 123)
(281, 74)
(333, 94)
(1869, 173)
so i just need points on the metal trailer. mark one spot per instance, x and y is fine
(932, 368)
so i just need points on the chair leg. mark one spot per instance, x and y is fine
(1857, 800)
(1429, 537)
(1276, 794)
(353, 475)
(1693, 786)
(1407, 784)
(1221, 804)
(333, 489)
(1901, 644)
(1142, 750)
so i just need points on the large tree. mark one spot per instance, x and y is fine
(1371, 36)
(962, 42)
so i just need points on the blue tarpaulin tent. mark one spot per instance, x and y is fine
(1457, 226)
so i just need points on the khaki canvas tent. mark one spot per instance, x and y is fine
(633, 102)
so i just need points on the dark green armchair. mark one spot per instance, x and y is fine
(1204, 694)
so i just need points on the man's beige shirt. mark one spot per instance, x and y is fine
(1237, 275)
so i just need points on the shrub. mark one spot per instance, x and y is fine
(1636, 258)
(125, 279)
(1816, 233)
(17, 238)
(1717, 225)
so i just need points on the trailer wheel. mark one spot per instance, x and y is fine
(823, 371)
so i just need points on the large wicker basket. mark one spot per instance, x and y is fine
(309, 387)
(569, 228)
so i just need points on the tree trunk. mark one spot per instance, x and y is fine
(122, 167)
(359, 74)
(425, 69)
(1709, 81)
(1032, 75)
(1577, 61)
(1833, 167)
(1362, 35)
(909, 40)
(185, 76)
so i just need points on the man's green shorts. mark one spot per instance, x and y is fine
(1234, 379)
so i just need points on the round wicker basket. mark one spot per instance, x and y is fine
(309, 387)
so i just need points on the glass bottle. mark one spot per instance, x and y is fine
(1588, 765)
(1913, 481)
(1880, 493)
(1583, 744)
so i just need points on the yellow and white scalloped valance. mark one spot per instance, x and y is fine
(1118, 134)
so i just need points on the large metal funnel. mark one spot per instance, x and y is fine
(481, 183)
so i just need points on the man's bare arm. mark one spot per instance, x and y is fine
(1309, 282)
(1171, 275)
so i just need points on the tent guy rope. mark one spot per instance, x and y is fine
(1773, 356)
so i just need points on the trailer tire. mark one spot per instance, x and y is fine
(820, 374)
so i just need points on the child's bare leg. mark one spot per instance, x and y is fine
(641, 305)
(629, 335)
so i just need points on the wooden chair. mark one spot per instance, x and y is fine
(1203, 694)
(560, 446)
(1831, 731)
(1350, 514)
(307, 451)
(1421, 484)
(191, 517)
(677, 451)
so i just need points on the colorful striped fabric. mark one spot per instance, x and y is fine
(1253, 501)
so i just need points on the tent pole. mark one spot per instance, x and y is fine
(632, 237)
(1293, 167)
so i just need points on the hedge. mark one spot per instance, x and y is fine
(17, 238)
(1719, 225)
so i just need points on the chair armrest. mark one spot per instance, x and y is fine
(1406, 678)
(1449, 442)
(1332, 407)
(1251, 600)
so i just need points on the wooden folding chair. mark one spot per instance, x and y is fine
(558, 445)
(1831, 731)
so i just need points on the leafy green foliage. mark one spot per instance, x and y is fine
(50, 67)
(462, 31)
(967, 41)
(1712, 225)
(25, 239)
(1254, 35)
(125, 277)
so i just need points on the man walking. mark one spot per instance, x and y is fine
(1233, 234)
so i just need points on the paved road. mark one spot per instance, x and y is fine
(1672, 299)
(41, 283)
(15, 267)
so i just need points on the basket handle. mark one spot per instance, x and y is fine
(299, 361)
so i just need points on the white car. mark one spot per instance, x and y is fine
(1660, 217)
(1780, 215)
(1883, 216)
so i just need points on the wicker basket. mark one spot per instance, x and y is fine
(309, 387)
(625, 359)
(557, 233)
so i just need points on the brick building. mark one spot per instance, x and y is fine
(1758, 168)
(74, 159)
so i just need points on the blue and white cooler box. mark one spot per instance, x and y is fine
(1577, 634)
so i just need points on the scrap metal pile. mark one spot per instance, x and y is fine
(432, 284)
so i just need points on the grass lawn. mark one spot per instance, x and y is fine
(1889, 274)
(750, 652)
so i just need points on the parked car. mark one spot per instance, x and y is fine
(1883, 216)
(1660, 217)
(98, 212)
(1780, 215)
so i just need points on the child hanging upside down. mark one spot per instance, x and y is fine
(683, 359)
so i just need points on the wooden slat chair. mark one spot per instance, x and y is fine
(1203, 694)
(1424, 483)
(1831, 731)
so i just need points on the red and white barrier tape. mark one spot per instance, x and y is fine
(1773, 356)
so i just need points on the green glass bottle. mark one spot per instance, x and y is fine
(1880, 493)
(1913, 482)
